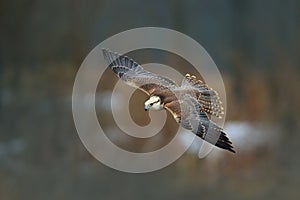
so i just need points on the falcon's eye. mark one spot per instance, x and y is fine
(151, 104)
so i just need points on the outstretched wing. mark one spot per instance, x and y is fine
(207, 97)
(191, 116)
(134, 75)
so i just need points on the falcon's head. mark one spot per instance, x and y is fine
(154, 103)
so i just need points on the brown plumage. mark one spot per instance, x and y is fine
(191, 103)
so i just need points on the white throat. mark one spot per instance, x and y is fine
(156, 107)
(153, 103)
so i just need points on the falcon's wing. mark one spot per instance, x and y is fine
(134, 75)
(190, 116)
(207, 97)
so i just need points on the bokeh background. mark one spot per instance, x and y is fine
(254, 43)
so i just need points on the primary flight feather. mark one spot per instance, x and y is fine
(190, 103)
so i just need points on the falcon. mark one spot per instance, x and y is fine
(192, 103)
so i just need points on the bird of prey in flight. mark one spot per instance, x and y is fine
(191, 104)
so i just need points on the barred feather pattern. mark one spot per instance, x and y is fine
(206, 96)
(134, 75)
(204, 127)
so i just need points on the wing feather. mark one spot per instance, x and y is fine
(190, 115)
(207, 97)
(134, 75)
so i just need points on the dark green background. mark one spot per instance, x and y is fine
(254, 43)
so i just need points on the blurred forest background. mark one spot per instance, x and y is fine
(254, 43)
